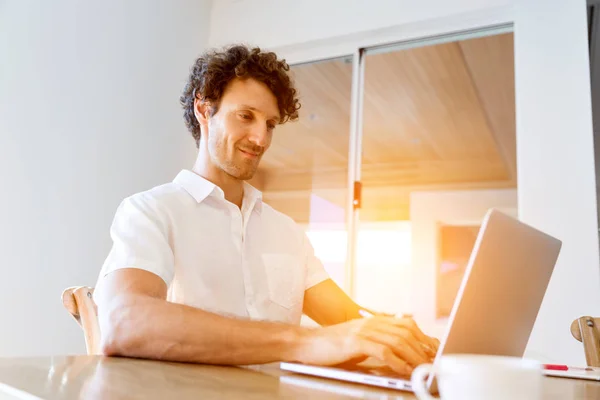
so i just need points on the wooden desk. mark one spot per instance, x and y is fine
(94, 377)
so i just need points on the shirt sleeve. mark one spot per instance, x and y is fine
(140, 239)
(315, 272)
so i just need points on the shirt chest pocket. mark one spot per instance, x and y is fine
(285, 277)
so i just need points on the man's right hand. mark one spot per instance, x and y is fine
(397, 342)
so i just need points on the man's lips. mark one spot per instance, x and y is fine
(250, 154)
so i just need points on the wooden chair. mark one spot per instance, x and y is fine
(586, 330)
(79, 302)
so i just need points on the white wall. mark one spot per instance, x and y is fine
(308, 24)
(89, 114)
(555, 155)
(554, 131)
(427, 210)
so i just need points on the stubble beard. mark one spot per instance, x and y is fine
(243, 169)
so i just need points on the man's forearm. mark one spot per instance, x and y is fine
(147, 327)
(327, 304)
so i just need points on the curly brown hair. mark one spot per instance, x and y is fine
(214, 69)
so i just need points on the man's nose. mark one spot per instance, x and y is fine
(259, 135)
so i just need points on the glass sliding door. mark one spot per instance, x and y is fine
(437, 150)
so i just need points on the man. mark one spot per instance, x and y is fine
(201, 270)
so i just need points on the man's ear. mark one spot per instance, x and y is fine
(201, 111)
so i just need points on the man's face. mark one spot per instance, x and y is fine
(241, 130)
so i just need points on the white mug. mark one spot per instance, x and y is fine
(475, 377)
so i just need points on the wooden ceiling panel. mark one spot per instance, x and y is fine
(320, 137)
(435, 118)
(421, 104)
(388, 174)
(490, 61)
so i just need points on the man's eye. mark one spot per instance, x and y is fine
(246, 116)
(271, 126)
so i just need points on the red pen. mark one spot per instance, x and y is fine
(559, 367)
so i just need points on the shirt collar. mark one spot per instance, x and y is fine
(253, 197)
(200, 188)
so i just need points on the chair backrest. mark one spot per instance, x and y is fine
(79, 302)
(585, 329)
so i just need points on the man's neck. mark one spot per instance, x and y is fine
(232, 188)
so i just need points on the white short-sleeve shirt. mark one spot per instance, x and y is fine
(254, 262)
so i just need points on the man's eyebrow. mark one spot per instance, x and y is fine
(275, 117)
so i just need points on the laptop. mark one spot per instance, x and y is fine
(495, 307)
